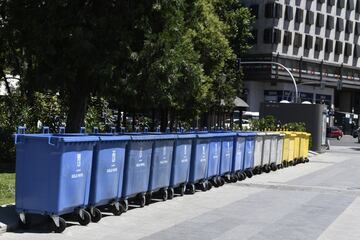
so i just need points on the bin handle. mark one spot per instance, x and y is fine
(20, 130)
(45, 130)
(82, 130)
(113, 130)
(49, 141)
(62, 130)
(95, 130)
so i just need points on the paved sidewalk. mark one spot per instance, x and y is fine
(317, 200)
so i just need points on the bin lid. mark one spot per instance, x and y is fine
(186, 136)
(260, 133)
(74, 138)
(153, 136)
(246, 134)
(114, 137)
(273, 134)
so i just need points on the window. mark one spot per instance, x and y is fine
(289, 14)
(350, 5)
(309, 18)
(319, 43)
(299, 15)
(320, 20)
(287, 38)
(297, 40)
(330, 3)
(308, 42)
(348, 49)
(329, 45)
(356, 51)
(357, 8)
(340, 24)
(272, 35)
(338, 47)
(349, 27)
(357, 28)
(341, 3)
(330, 22)
(254, 9)
(273, 10)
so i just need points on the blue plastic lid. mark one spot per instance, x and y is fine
(186, 136)
(114, 138)
(148, 137)
(246, 134)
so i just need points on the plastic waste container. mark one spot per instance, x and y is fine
(227, 151)
(137, 168)
(274, 150)
(258, 152)
(181, 163)
(292, 138)
(280, 150)
(213, 169)
(161, 162)
(53, 175)
(285, 152)
(297, 142)
(305, 147)
(266, 154)
(243, 157)
(199, 163)
(107, 175)
(249, 154)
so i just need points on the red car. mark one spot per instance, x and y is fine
(334, 132)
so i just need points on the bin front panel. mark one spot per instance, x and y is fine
(199, 160)
(297, 146)
(279, 152)
(214, 158)
(249, 153)
(161, 164)
(258, 151)
(107, 172)
(291, 148)
(137, 168)
(181, 162)
(75, 176)
(285, 153)
(227, 149)
(274, 143)
(239, 154)
(266, 151)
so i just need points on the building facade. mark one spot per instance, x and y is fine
(318, 40)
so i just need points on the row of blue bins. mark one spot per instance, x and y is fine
(85, 174)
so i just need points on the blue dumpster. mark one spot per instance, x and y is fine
(213, 169)
(53, 175)
(137, 168)
(227, 150)
(107, 175)
(244, 157)
(199, 162)
(161, 162)
(181, 162)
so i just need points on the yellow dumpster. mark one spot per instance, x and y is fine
(297, 153)
(305, 147)
(292, 148)
(285, 150)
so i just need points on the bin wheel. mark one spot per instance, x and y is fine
(286, 164)
(171, 193)
(182, 190)
(61, 227)
(124, 205)
(96, 215)
(142, 200)
(115, 211)
(164, 194)
(243, 176)
(234, 178)
(214, 182)
(148, 198)
(291, 163)
(86, 218)
(273, 166)
(226, 179)
(249, 173)
(209, 186)
(191, 188)
(307, 160)
(23, 225)
(203, 186)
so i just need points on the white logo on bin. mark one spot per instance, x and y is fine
(140, 154)
(113, 156)
(78, 160)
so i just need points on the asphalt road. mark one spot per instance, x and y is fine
(317, 200)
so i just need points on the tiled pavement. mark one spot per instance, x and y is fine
(317, 200)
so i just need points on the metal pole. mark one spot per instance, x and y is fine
(280, 65)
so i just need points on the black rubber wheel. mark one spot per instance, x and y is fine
(222, 181)
(209, 186)
(86, 220)
(96, 216)
(243, 176)
(191, 188)
(307, 160)
(164, 194)
(291, 163)
(22, 225)
(234, 178)
(142, 201)
(214, 182)
(61, 227)
(203, 186)
(249, 173)
(171, 193)
(273, 167)
(124, 205)
(182, 190)
(227, 179)
(116, 212)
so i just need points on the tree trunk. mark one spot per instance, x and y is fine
(78, 102)
(163, 120)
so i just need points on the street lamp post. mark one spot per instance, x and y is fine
(280, 65)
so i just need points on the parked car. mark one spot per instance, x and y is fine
(334, 132)
(356, 133)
